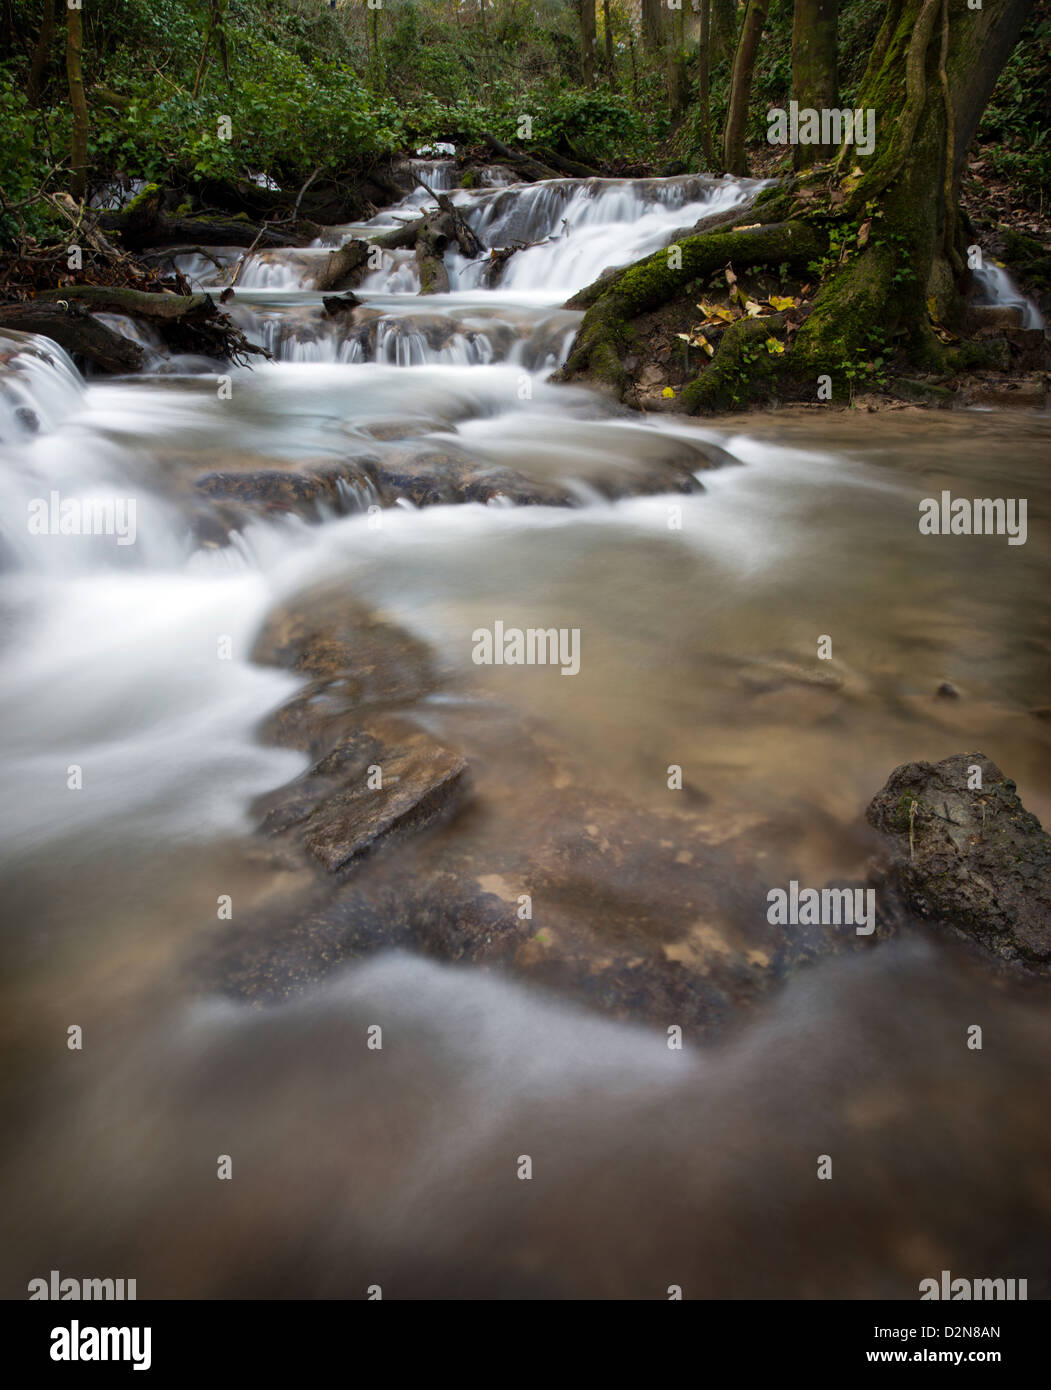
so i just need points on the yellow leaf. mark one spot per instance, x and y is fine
(782, 302)
(716, 311)
(774, 347)
(750, 228)
(668, 393)
(708, 347)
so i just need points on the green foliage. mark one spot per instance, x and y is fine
(1017, 121)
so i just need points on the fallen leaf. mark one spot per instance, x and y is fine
(668, 393)
(780, 302)
(717, 312)
(863, 232)
(774, 347)
(752, 309)
(750, 228)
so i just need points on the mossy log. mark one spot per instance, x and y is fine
(187, 323)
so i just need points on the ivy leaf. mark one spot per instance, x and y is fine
(774, 347)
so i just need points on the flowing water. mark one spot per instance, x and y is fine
(699, 616)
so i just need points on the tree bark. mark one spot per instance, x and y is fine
(704, 102)
(652, 28)
(587, 41)
(607, 34)
(41, 53)
(741, 86)
(78, 103)
(815, 75)
(677, 63)
(724, 29)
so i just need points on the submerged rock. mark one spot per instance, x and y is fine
(967, 855)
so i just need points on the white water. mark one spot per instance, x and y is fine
(997, 287)
(648, 1159)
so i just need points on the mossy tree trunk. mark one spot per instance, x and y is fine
(879, 233)
(896, 210)
(78, 104)
(734, 158)
(815, 77)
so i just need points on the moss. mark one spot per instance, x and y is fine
(742, 369)
(146, 198)
(605, 333)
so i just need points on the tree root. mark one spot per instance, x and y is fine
(612, 302)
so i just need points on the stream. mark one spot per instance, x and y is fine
(699, 605)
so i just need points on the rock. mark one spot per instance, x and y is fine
(972, 861)
(948, 691)
(385, 776)
(334, 304)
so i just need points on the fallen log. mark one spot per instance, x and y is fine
(530, 169)
(186, 322)
(73, 328)
(342, 268)
(572, 168)
(160, 308)
(144, 223)
(431, 242)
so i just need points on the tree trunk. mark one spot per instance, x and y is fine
(587, 41)
(724, 29)
(41, 53)
(879, 234)
(607, 33)
(815, 76)
(652, 28)
(929, 78)
(78, 104)
(677, 64)
(741, 86)
(703, 85)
